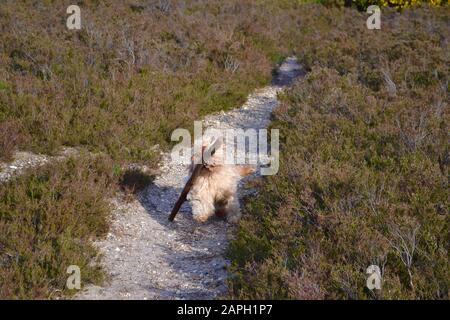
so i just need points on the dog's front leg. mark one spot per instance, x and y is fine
(202, 208)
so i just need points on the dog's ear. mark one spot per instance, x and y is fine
(245, 170)
(201, 155)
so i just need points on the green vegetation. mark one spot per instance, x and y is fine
(364, 166)
(363, 4)
(132, 74)
(399, 4)
(48, 219)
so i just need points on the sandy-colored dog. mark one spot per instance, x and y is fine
(215, 189)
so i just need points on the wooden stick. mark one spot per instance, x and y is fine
(195, 173)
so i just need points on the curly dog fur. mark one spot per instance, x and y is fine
(215, 189)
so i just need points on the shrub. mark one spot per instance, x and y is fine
(362, 176)
(10, 134)
(402, 3)
(364, 4)
(48, 219)
(121, 87)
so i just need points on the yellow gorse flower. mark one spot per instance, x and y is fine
(398, 3)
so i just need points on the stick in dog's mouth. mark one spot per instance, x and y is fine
(206, 155)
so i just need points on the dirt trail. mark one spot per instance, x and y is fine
(148, 257)
(24, 160)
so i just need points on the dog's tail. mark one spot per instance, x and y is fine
(246, 170)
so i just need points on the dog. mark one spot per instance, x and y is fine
(215, 189)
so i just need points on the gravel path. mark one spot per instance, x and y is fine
(148, 257)
(24, 160)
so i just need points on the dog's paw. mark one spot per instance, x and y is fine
(201, 218)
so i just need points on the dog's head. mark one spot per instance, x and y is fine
(215, 162)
